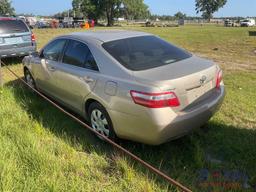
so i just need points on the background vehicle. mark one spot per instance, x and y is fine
(42, 25)
(131, 85)
(230, 23)
(248, 23)
(16, 39)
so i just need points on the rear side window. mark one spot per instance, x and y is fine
(54, 50)
(12, 26)
(78, 54)
(145, 52)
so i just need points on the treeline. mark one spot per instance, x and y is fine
(136, 9)
(110, 9)
(128, 9)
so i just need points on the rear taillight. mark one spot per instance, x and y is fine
(6, 19)
(155, 100)
(219, 79)
(33, 37)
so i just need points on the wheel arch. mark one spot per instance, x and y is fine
(91, 100)
(88, 102)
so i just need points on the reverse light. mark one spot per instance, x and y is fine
(219, 79)
(155, 100)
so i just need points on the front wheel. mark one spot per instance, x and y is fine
(101, 122)
(29, 79)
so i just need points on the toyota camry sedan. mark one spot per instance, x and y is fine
(127, 84)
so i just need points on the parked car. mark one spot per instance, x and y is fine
(230, 23)
(248, 23)
(130, 85)
(16, 39)
(42, 25)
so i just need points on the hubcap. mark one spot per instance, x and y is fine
(99, 122)
(29, 80)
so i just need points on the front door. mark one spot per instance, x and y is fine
(46, 65)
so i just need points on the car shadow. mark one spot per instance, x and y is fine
(12, 60)
(216, 146)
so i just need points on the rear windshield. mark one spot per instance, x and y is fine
(145, 52)
(12, 26)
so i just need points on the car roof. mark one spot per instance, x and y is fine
(108, 35)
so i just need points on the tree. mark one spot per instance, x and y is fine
(64, 14)
(6, 8)
(95, 9)
(180, 15)
(89, 8)
(208, 7)
(110, 9)
(135, 9)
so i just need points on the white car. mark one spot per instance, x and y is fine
(248, 23)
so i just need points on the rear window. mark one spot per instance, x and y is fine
(145, 52)
(12, 26)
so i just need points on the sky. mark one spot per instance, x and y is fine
(168, 7)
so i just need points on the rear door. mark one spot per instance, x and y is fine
(76, 75)
(14, 34)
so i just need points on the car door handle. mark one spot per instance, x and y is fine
(87, 79)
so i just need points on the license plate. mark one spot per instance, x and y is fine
(196, 93)
(13, 40)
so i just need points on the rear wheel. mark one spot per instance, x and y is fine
(100, 121)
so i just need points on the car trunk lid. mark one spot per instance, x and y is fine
(189, 79)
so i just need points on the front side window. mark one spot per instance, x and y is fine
(54, 50)
(78, 54)
(145, 52)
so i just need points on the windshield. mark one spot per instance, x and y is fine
(12, 26)
(145, 52)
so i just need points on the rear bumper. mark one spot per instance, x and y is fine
(17, 52)
(157, 127)
(187, 121)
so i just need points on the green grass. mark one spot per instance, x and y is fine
(44, 150)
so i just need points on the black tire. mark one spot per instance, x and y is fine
(205, 127)
(29, 78)
(94, 108)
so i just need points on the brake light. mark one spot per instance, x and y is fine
(33, 37)
(219, 79)
(155, 100)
